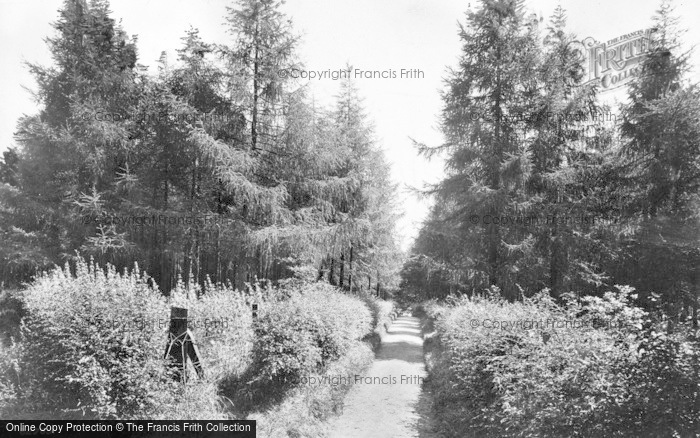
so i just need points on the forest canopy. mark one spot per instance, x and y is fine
(217, 166)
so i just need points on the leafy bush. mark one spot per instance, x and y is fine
(383, 313)
(588, 368)
(222, 323)
(382, 310)
(92, 341)
(305, 332)
(658, 391)
(304, 412)
(301, 411)
(88, 347)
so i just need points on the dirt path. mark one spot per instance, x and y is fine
(386, 402)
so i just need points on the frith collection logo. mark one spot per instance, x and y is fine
(613, 63)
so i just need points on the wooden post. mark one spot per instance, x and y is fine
(181, 345)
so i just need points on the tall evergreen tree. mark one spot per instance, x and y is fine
(264, 46)
(661, 148)
(487, 164)
(207, 137)
(69, 151)
(562, 149)
(365, 244)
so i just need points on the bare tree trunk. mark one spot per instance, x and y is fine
(377, 283)
(164, 271)
(350, 266)
(187, 271)
(696, 304)
(556, 258)
(321, 270)
(217, 256)
(198, 259)
(494, 235)
(256, 62)
(331, 272)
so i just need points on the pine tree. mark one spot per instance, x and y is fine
(487, 163)
(68, 152)
(566, 111)
(369, 210)
(264, 46)
(223, 137)
(661, 153)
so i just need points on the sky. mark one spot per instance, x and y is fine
(371, 35)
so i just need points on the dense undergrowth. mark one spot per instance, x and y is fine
(91, 343)
(594, 367)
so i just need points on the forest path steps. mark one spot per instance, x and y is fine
(388, 401)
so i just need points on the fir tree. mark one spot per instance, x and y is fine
(661, 153)
(487, 165)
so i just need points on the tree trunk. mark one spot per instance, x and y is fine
(254, 118)
(350, 266)
(696, 304)
(187, 268)
(321, 270)
(198, 259)
(331, 272)
(494, 235)
(164, 271)
(556, 258)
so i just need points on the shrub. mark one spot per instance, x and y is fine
(221, 320)
(304, 333)
(87, 345)
(658, 387)
(587, 369)
(92, 341)
(381, 310)
(383, 313)
(305, 410)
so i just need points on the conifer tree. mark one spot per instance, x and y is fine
(487, 164)
(566, 114)
(68, 152)
(207, 137)
(661, 152)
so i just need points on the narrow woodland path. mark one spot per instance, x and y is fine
(388, 401)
